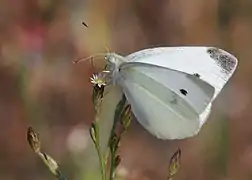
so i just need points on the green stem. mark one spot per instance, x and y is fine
(60, 176)
(101, 159)
(112, 165)
(102, 165)
(118, 111)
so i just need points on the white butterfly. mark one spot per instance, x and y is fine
(171, 89)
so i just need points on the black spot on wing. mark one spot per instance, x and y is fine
(213, 52)
(183, 91)
(227, 62)
(224, 60)
(196, 75)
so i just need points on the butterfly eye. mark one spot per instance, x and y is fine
(183, 91)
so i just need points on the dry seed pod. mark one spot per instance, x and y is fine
(33, 140)
(93, 132)
(126, 117)
(174, 164)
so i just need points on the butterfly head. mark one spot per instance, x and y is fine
(113, 62)
(113, 58)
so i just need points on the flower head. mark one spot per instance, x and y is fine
(98, 79)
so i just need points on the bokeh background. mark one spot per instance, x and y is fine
(41, 87)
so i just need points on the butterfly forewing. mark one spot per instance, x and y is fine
(213, 65)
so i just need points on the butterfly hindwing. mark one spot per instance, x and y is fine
(159, 109)
(191, 89)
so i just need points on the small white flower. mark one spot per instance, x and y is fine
(98, 79)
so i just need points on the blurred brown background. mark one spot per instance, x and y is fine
(41, 87)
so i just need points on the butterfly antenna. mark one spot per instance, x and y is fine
(82, 59)
(107, 49)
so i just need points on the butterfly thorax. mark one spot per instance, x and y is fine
(113, 63)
